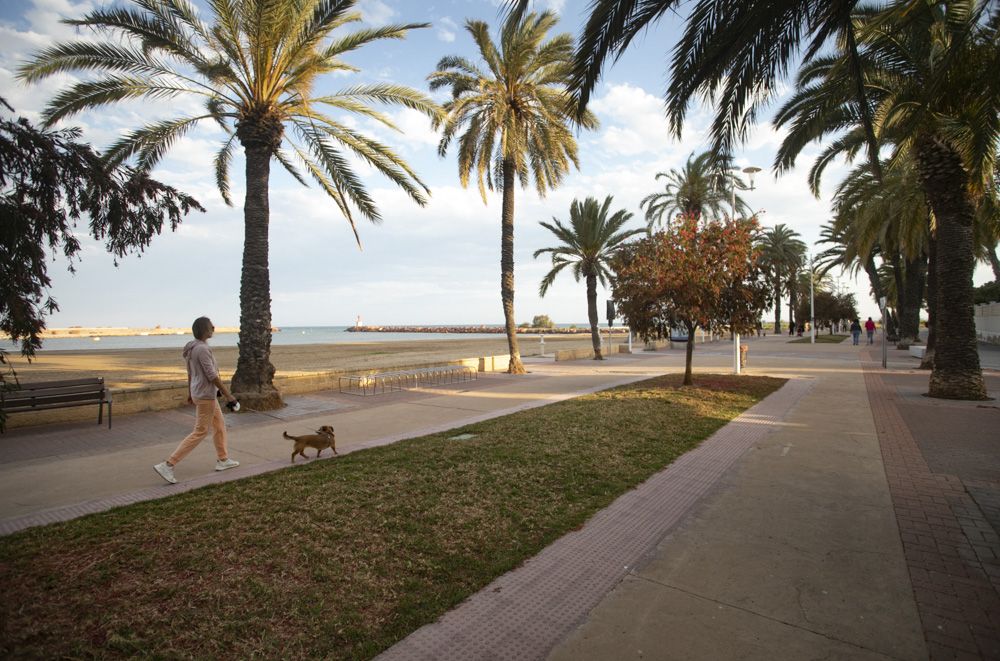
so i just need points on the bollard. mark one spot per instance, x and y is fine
(542, 345)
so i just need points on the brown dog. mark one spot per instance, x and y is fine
(323, 438)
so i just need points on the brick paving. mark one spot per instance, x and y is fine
(947, 525)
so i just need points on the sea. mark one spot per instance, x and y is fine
(288, 335)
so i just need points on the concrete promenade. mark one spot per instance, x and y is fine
(846, 516)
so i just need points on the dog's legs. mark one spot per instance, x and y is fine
(319, 451)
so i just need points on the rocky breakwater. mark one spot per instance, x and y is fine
(522, 330)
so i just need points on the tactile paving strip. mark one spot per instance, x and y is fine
(526, 612)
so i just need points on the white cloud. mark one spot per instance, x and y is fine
(415, 129)
(376, 12)
(45, 17)
(633, 123)
(555, 5)
(447, 30)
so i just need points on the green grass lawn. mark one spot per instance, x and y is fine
(821, 338)
(341, 558)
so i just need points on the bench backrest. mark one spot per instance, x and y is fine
(68, 390)
(93, 381)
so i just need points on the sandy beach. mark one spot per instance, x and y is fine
(135, 368)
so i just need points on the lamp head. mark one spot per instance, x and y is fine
(750, 172)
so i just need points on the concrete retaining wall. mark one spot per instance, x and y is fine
(491, 363)
(173, 395)
(574, 354)
(988, 323)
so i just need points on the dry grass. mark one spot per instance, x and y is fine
(340, 559)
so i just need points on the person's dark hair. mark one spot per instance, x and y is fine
(201, 327)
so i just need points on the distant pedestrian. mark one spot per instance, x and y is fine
(204, 384)
(870, 329)
(856, 331)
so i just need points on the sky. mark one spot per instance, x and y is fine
(438, 264)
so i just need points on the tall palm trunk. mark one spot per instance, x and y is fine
(792, 296)
(927, 363)
(873, 280)
(957, 373)
(595, 332)
(914, 276)
(253, 382)
(991, 254)
(507, 266)
(777, 305)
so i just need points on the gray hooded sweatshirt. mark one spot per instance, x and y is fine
(201, 369)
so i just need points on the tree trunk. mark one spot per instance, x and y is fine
(689, 355)
(595, 331)
(991, 253)
(927, 363)
(507, 266)
(957, 373)
(914, 276)
(253, 381)
(873, 280)
(792, 295)
(898, 279)
(777, 305)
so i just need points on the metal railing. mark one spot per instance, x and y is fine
(383, 382)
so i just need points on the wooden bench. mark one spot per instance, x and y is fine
(43, 395)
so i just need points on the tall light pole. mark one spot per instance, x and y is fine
(882, 303)
(750, 171)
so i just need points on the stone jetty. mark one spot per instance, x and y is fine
(522, 330)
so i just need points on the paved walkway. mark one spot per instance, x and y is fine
(846, 516)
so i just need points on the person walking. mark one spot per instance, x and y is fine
(856, 331)
(203, 385)
(870, 329)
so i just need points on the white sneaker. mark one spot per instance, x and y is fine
(223, 464)
(166, 471)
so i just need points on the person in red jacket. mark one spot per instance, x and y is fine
(870, 329)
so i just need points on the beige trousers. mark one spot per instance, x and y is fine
(209, 414)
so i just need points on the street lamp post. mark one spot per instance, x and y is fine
(812, 303)
(885, 350)
(750, 171)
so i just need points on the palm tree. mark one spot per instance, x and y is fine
(587, 245)
(516, 118)
(928, 72)
(781, 252)
(841, 254)
(701, 187)
(890, 218)
(734, 51)
(795, 263)
(253, 67)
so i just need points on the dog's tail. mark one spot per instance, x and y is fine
(291, 438)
